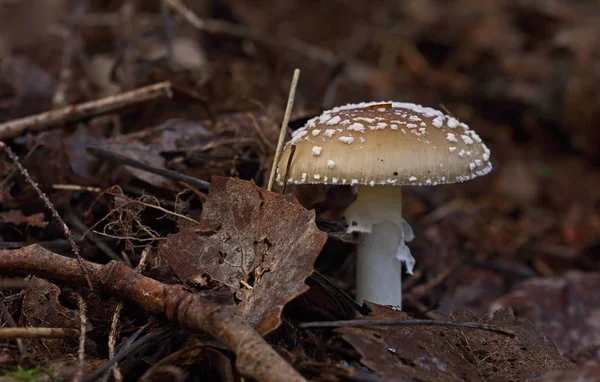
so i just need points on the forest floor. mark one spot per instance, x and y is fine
(138, 139)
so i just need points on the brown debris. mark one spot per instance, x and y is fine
(522, 74)
(260, 244)
(559, 305)
(42, 308)
(212, 313)
(436, 354)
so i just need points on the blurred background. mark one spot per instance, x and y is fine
(523, 74)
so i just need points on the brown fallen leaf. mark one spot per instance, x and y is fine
(259, 243)
(566, 309)
(17, 217)
(42, 308)
(428, 353)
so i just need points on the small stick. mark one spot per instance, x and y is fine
(80, 225)
(11, 322)
(49, 205)
(284, 126)
(71, 113)
(114, 326)
(10, 333)
(82, 308)
(75, 187)
(124, 160)
(372, 323)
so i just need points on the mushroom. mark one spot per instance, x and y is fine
(379, 147)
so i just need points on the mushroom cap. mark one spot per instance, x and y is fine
(384, 143)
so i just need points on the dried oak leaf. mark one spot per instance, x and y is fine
(566, 309)
(255, 237)
(41, 308)
(434, 353)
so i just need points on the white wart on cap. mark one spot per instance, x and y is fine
(384, 143)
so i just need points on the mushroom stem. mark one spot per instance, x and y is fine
(377, 212)
(378, 272)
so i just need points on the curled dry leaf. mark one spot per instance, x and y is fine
(560, 305)
(259, 243)
(430, 353)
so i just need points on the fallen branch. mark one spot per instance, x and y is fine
(71, 113)
(211, 312)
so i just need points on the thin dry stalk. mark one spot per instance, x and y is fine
(114, 326)
(11, 322)
(284, 126)
(122, 159)
(374, 323)
(59, 219)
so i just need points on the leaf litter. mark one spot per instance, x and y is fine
(429, 353)
(526, 238)
(260, 244)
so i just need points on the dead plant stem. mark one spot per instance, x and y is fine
(284, 127)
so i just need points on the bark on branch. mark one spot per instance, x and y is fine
(210, 312)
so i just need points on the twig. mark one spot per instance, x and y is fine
(10, 333)
(7, 179)
(284, 126)
(11, 322)
(82, 308)
(341, 297)
(122, 159)
(71, 113)
(132, 346)
(372, 323)
(114, 326)
(213, 313)
(79, 225)
(75, 187)
(66, 230)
